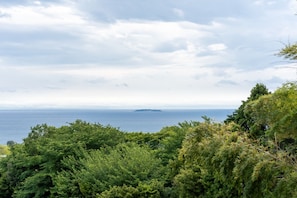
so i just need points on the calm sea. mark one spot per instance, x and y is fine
(16, 124)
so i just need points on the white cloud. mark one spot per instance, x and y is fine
(56, 55)
(37, 2)
(217, 47)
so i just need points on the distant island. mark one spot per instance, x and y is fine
(151, 110)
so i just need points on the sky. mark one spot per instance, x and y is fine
(142, 54)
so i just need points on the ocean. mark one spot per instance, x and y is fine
(16, 124)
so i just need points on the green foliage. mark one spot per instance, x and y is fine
(289, 52)
(278, 112)
(152, 140)
(120, 192)
(125, 164)
(4, 150)
(83, 159)
(243, 118)
(218, 162)
(166, 143)
(31, 167)
(151, 189)
(172, 140)
(192, 159)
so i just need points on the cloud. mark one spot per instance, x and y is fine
(37, 2)
(199, 12)
(96, 81)
(178, 12)
(51, 35)
(227, 82)
(3, 90)
(28, 2)
(74, 40)
(217, 47)
(3, 14)
(121, 53)
(122, 85)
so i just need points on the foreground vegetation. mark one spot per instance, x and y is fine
(251, 154)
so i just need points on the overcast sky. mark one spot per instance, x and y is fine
(141, 54)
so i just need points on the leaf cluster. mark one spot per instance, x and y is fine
(289, 52)
(243, 118)
(91, 160)
(218, 162)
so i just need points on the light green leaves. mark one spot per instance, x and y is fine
(289, 52)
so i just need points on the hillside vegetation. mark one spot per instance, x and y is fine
(252, 154)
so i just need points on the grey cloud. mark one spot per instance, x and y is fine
(45, 47)
(200, 76)
(97, 81)
(226, 82)
(107, 10)
(5, 90)
(202, 11)
(14, 2)
(25, 34)
(249, 45)
(273, 82)
(220, 72)
(53, 88)
(122, 85)
(33, 44)
(26, 2)
(171, 46)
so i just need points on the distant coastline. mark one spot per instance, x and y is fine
(150, 110)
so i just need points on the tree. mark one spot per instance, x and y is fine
(126, 167)
(277, 112)
(218, 161)
(31, 168)
(243, 118)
